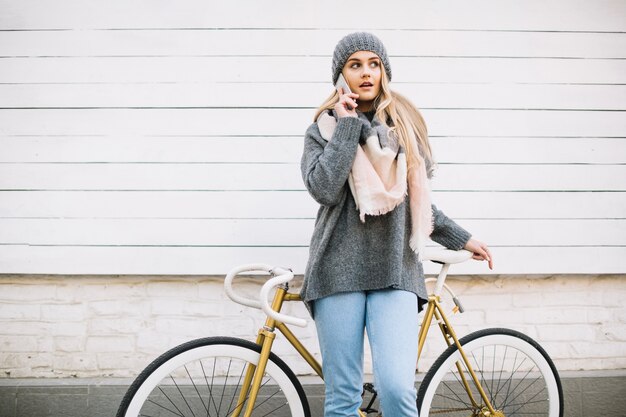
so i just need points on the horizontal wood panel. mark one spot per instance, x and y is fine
(307, 68)
(125, 148)
(295, 204)
(222, 122)
(471, 150)
(260, 42)
(578, 15)
(284, 177)
(310, 95)
(288, 232)
(24, 259)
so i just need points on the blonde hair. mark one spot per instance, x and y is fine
(406, 120)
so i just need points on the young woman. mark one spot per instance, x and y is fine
(367, 162)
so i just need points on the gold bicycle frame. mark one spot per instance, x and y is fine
(266, 335)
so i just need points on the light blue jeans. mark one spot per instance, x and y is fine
(390, 317)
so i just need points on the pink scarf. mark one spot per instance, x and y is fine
(379, 180)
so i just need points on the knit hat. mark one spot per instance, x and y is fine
(358, 41)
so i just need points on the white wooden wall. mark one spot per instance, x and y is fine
(155, 137)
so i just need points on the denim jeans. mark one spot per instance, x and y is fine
(390, 317)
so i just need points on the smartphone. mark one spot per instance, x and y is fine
(341, 82)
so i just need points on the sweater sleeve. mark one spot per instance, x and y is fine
(447, 233)
(325, 165)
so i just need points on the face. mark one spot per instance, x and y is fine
(362, 71)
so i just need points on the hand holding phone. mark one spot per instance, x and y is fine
(341, 82)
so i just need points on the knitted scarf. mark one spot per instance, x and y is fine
(379, 180)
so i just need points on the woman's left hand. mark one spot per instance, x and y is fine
(480, 250)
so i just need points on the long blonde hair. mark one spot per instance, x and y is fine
(406, 122)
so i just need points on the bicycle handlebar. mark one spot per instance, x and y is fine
(282, 276)
(286, 276)
(228, 283)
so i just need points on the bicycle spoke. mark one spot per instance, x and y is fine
(196, 388)
(230, 362)
(182, 396)
(210, 387)
(507, 382)
(243, 370)
(180, 413)
(455, 394)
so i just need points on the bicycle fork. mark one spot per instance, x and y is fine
(254, 374)
(434, 309)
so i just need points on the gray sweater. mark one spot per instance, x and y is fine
(346, 254)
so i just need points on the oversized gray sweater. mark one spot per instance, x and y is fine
(346, 254)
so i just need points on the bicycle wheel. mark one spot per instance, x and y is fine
(515, 372)
(204, 377)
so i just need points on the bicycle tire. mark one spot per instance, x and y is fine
(196, 379)
(516, 373)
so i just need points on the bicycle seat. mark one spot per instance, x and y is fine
(447, 256)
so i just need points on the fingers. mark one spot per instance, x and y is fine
(348, 99)
(482, 253)
(487, 255)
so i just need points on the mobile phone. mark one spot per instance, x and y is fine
(341, 82)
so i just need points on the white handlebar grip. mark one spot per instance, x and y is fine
(228, 283)
(285, 276)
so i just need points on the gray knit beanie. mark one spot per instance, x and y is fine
(358, 41)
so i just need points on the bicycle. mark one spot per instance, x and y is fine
(493, 372)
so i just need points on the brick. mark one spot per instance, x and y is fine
(110, 344)
(68, 328)
(597, 350)
(117, 290)
(192, 328)
(614, 363)
(598, 315)
(555, 315)
(152, 342)
(615, 297)
(20, 311)
(614, 332)
(18, 343)
(65, 312)
(567, 332)
(473, 302)
(21, 373)
(174, 307)
(41, 361)
(32, 292)
(69, 344)
(71, 364)
(15, 360)
(620, 315)
(558, 350)
(504, 317)
(116, 325)
(212, 289)
(119, 308)
(120, 363)
(177, 289)
(243, 327)
(45, 344)
(24, 327)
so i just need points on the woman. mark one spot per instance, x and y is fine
(366, 161)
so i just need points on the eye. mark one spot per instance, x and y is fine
(375, 63)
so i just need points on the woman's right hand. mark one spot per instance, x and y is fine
(346, 101)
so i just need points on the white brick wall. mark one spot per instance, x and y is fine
(114, 326)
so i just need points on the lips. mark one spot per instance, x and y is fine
(366, 85)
